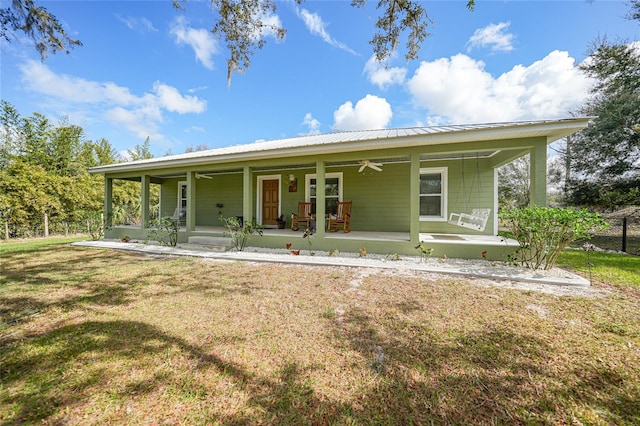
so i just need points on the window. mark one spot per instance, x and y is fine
(332, 191)
(433, 193)
(182, 196)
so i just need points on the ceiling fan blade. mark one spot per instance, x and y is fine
(375, 167)
(362, 168)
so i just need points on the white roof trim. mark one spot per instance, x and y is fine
(363, 140)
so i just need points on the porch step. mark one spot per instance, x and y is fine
(220, 244)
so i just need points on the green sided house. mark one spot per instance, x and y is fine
(402, 186)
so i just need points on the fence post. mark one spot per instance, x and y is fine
(624, 234)
(46, 225)
(6, 229)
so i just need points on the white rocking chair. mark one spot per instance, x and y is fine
(179, 216)
(476, 220)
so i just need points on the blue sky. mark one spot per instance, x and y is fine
(147, 69)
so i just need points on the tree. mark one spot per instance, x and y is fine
(242, 25)
(10, 133)
(513, 184)
(65, 148)
(141, 152)
(605, 156)
(103, 153)
(634, 12)
(197, 148)
(37, 23)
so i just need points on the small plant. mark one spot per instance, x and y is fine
(95, 225)
(425, 251)
(125, 239)
(334, 252)
(362, 252)
(307, 235)
(164, 231)
(240, 232)
(288, 246)
(588, 247)
(329, 313)
(393, 257)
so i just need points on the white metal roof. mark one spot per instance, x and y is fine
(361, 140)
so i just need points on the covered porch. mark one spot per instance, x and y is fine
(420, 178)
(382, 242)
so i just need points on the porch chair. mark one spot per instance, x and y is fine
(179, 216)
(476, 220)
(302, 217)
(342, 217)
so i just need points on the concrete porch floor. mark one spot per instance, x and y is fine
(432, 238)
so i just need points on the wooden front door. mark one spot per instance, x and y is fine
(270, 201)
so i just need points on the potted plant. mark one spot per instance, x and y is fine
(281, 222)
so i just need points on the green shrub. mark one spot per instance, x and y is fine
(240, 232)
(165, 231)
(544, 232)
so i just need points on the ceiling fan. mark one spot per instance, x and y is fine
(198, 176)
(366, 163)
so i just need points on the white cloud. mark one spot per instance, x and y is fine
(201, 40)
(493, 36)
(141, 115)
(142, 25)
(312, 124)
(270, 24)
(196, 129)
(317, 27)
(173, 101)
(461, 90)
(383, 76)
(370, 112)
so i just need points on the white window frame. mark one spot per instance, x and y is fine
(260, 183)
(444, 195)
(307, 184)
(179, 203)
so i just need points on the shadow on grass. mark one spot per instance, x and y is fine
(39, 366)
(488, 376)
(43, 373)
(87, 278)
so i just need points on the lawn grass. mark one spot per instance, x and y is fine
(104, 337)
(617, 269)
(32, 244)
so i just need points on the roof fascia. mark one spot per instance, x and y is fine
(552, 130)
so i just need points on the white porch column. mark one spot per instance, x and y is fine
(247, 194)
(538, 175)
(414, 199)
(191, 201)
(145, 181)
(320, 199)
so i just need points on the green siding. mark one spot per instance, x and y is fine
(476, 192)
(223, 189)
(380, 199)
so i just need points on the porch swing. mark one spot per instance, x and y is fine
(478, 218)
